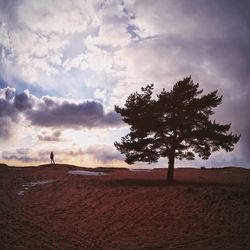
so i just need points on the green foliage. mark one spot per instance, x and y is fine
(177, 123)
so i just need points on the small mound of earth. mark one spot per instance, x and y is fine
(84, 172)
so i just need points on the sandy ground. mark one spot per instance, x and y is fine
(203, 209)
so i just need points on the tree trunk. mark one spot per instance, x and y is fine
(171, 158)
(170, 176)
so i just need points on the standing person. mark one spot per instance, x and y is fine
(52, 158)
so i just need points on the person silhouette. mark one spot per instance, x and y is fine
(52, 158)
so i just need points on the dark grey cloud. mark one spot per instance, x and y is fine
(6, 128)
(207, 39)
(8, 114)
(11, 107)
(23, 101)
(229, 57)
(9, 93)
(54, 136)
(8, 110)
(51, 112)
(7, 9)
(210, 41)
(236, 111)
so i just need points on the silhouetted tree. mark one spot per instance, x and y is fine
(176, 124)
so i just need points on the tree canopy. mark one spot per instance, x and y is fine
(177, 124)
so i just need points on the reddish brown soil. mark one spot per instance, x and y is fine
(203, 209)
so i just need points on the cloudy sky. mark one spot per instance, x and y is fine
(65, 64)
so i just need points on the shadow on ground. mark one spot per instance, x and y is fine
(163, 183)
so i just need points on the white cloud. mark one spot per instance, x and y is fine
(37, 55)
(43, 38)
(113, 35)
(100, 94)
(95, 59)
(61, 17)
(4, 36)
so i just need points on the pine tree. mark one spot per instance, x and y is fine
(175, 125)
